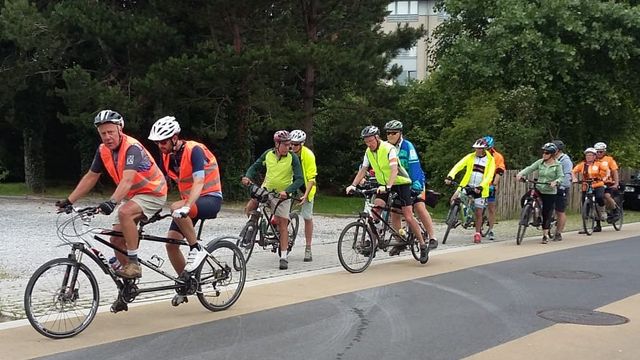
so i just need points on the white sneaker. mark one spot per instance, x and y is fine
(195, 258)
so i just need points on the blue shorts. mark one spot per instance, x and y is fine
(207, 207)
(492, 194)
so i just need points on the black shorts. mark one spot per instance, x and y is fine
(403, 198)
(562, 198)
(207, 208)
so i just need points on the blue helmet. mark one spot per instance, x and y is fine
(490, 141)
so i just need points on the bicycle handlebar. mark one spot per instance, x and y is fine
(534, 181)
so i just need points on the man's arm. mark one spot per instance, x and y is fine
(124, 186)
(298, 180)
(257, 166)
(85, 185)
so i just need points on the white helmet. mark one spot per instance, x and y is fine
(108, 116)
(590, 150)
(480, 144)
(164, 128)
(298, 136)
(600, 146)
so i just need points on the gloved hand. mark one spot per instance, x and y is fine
(381, 189)
(181, 212)
(64, 206)
(350, 189)
(107, 207)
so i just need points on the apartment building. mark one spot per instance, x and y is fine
(414, 61)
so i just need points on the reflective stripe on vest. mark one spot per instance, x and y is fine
(185, 178)
(379, 161)
(149, 182)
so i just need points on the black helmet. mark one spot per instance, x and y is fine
(393, 125)
(559, 144)
(370, 130)
(550, 148)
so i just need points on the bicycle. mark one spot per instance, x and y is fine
(531, 213)
(261, 224)
(360, 239)
(465, 204)
(62, 296)
(588, 210)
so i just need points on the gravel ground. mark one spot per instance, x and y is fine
(29, 240)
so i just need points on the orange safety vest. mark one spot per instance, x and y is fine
(596, 171)
(185, 178)
(150, 181)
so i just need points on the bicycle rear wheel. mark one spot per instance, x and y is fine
(222, 275)
(588, 214)
(618, 223)
(356, 247)
(247, 240)
(525, 217)
(61, 298)
(451, 221)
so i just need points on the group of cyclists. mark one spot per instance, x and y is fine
(290, 166)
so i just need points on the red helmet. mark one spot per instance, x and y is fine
(281, 136)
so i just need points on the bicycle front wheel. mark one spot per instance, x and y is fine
(452, 220)
(525, 217)
(61, 298)
(588, 216)
(222, 275)
(356, 247)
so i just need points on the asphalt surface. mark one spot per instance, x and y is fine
(451, 315)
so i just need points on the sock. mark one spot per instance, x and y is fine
(283, 255)
(132, 255)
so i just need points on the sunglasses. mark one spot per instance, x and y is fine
(600, 152)
(392, 133)
(163, 142)
(292, 144)
(547, 153)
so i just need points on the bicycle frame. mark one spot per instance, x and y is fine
(260, 223)
(79, 248)
(370, 216)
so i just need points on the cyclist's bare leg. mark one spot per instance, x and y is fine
(174, 253)
(425, 218)
(396, 220)
(609, 202)
(407, 212)
(252, 204)
(118, 242)
(491, 213)
(561, 219)
(308, 231)
(283, 224)
(129, 214)
(478, 224)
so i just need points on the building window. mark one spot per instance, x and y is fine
(403, 8)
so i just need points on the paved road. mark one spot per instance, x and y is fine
(479, 302)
